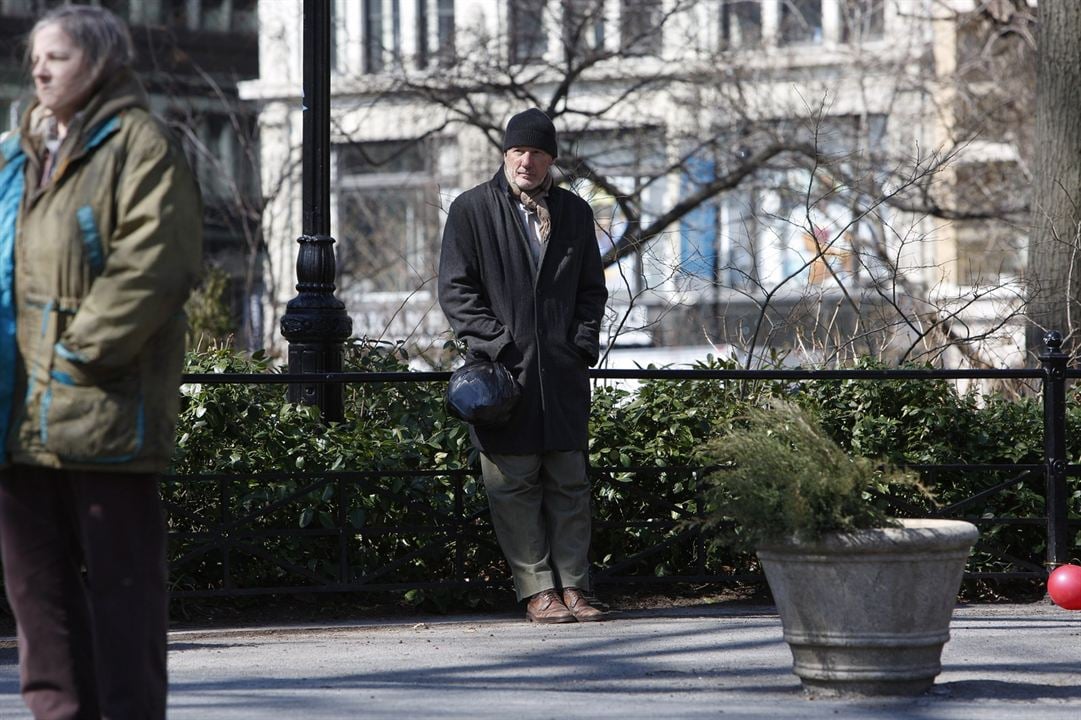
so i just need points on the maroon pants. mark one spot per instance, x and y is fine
(84, 571)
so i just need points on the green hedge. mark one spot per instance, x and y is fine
(637, 437)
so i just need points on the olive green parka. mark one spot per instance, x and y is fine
(96, 264)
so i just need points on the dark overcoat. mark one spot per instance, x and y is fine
(543, 324)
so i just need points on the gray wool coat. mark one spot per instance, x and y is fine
(542, 324)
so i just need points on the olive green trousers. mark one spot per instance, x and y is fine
(541, 513)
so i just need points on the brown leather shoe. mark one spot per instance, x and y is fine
(578, 605)
(546, 607)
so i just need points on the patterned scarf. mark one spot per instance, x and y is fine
(534, 201)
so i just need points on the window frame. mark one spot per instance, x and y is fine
(524, 47)
(730, 23)
(636, 19)
(420, 248)
(791, 15)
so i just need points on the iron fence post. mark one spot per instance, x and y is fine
(459, 524)
(344, 531)
(315, 322)
(223, 541)
(1054, 444)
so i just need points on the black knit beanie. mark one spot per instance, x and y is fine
(531, 128)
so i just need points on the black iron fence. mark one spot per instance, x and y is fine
(234, 521)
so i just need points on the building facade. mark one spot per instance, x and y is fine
(823, 178)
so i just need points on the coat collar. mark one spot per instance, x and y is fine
(499, 180)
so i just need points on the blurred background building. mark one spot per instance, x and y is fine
(818, 178)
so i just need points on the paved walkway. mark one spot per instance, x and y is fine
(1004, 662)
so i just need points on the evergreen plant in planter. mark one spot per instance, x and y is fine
(865, 600)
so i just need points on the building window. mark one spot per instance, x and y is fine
(528, 39)
(629, 159)
(245, 16)
(396, 30)
(640, 26)
(445, 28)
(785, 225)
(239, 16)
(422, 33)
(215, 15)
(988, 252)
(583, 26)
(805, 237)
(382, 35)
(442, 51)
(801, 21)
(373, 36)
(717, 239)
(388, 222)
(175, 13)
(862, 20)
(805, 226)
(741, 23)
(218, 147)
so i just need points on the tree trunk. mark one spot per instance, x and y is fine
(1054, 255)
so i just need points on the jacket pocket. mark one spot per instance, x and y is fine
(102, 423)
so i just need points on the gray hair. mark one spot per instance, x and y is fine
(103, 37)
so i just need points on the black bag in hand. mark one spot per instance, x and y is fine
(483, 393)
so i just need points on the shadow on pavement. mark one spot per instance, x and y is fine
(1007, 690)
(9, 656)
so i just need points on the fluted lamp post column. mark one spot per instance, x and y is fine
(315, 322)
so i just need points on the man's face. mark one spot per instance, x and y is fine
(528, 166)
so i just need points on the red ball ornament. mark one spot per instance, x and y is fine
(1064, 586)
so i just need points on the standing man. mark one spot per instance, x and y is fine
(521, 281)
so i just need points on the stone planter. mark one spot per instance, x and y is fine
(867, 612)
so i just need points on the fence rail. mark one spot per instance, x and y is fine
(457, 533)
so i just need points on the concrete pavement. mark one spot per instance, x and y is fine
(1004, 662)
